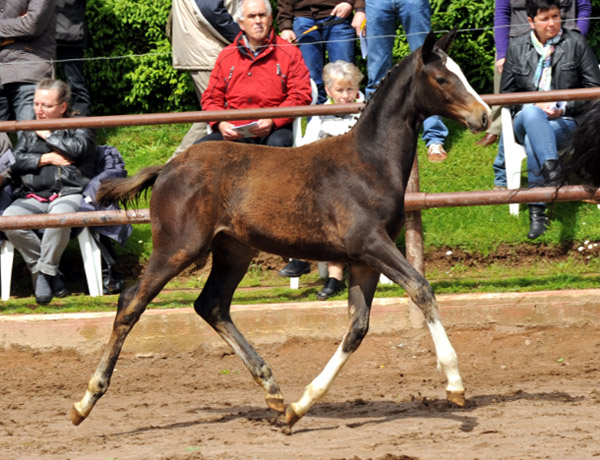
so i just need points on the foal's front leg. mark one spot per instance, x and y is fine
(386, 258)
(363, 282)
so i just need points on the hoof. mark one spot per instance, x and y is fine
(275, 403)
(75, 415)
(290, 416)
(457, 397)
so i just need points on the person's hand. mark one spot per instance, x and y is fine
(264, 128)
(500, 65)
(342, 10)
(53, 158)
(43, 133)
(550, 109)
(228, 133)
(288, 35)
(357, 22)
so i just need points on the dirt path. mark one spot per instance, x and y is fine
(533, 394)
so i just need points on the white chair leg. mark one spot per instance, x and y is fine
(7, 255)
(514, 154)
(384, 279)
(92, 262)
(323, 271)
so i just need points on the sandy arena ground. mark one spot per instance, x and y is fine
(532, 394)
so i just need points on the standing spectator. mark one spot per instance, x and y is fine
(510, 21)
(50, 171)
(549, 57)
(296, 17)
(383, 17)
(200, 29)
(27, 48)
(258, 70)
(71, 39)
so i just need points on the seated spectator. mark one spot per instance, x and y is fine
(549, 57)
(258, 70)
(341, 81)
(50, 172)
(510, 21)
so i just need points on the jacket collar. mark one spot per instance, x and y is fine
(245, 51)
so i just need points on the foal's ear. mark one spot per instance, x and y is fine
(427, 46)
(446, 41)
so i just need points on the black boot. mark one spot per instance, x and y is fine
(552, 172)
(538, 222)
(295, 268)
(331, 288)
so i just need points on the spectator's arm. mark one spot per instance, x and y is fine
(218, 17)
(584, 11)
(501, 27)
(214, 97)
(32, 23)
(75, 146)
(298, 87)
(285, 15)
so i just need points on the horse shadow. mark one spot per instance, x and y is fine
(369, 412)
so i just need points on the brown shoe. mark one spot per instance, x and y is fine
(436, 153)
(488, 139)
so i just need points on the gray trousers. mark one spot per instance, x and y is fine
(42, 254)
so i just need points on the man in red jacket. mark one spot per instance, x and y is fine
(258, 69)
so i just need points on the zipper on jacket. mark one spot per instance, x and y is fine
(227, 80)
(281, 77)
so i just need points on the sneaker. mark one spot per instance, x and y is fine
(43, 290)
(295, 268)
(331, 288)
(436, 153)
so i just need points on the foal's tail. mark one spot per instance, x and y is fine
(583, 157)
(127, 190)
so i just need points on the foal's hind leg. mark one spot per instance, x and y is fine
(132, 303)
(363, 282)
(385, 257)
(230, 263)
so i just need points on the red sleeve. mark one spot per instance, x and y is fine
(213, 97)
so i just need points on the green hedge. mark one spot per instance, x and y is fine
(145, 82)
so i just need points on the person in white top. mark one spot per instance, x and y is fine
(341, 81)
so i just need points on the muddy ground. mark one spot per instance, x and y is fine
(533, 394)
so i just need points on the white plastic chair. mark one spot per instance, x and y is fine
(90, 253)
(514, 154)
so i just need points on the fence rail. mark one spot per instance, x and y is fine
(412, 201)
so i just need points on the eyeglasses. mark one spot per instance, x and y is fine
(44, 106)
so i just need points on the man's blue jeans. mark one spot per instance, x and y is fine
(542, 138)
(382, 22)
(339, 41)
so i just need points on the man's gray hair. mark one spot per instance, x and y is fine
(239, 11)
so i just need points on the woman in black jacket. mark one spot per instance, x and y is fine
(550, 57)
(51, 170)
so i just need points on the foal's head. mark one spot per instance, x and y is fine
(447, 91)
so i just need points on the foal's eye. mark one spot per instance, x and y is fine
(441, 80)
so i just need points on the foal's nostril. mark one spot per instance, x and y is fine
(484, 120)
